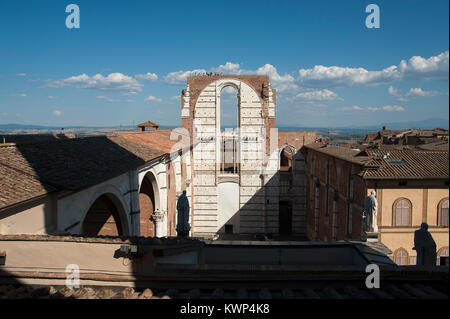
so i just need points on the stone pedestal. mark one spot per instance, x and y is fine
(372, 236)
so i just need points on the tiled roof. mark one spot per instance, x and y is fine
(148, 124)
(391, 162)
(159, 139)
(70, 164)
(388, 291)
(33, 138)
(344, 153)
(15, 186)
(407, 164)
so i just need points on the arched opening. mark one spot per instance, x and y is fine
(103, 217)
(229, 105)
(148, 202)
(229, 124)
(286, 156)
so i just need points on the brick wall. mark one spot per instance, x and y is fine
(338, 215)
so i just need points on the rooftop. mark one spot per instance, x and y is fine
(32, 170)
(407, 164)
(391, 162)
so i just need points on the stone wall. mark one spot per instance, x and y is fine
(259, 153)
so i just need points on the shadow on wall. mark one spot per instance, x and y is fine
(277, 209)
(70, 165)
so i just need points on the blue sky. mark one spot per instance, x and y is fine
(128, 61)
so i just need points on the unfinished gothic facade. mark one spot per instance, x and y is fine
(250, 180)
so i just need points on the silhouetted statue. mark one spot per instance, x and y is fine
(425, 246)
(370, 213)
(183, 226)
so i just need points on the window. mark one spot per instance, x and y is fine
(442, 256)
(402, 212)
(401, 257)
(443, 213)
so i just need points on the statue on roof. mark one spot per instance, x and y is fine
(370, 213)
(425, 246)
(183, 226)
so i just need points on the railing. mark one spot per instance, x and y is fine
(229, 154)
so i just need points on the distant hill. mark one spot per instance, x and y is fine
(423, 124)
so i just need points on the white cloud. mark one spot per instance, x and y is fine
(57, 113)
(102, 97)
(393, 91)
(151, 77)
(419, 92)
(435, 67)
(175, 98)
(20, 95)
(153, 99)
(282, 83)
(21, 74)
(351, 108)
(412, 93)
(179, 77)
(335, 76)
(318, 95)
(393, 108)
(108, 99)
(51, 97)
(418, 68)
(388, 108)
(228, 68)
(112, 82)
(229, 90)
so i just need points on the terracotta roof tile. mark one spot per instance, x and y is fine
(407, 164)
(70, 164)
(159, 139)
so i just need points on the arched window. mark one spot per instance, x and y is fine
(229, 125)
(286, 156)
(229, 104)
(442, 256)
(402, 212)
(443, 213)
(401, 257)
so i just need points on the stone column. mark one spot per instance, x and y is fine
(159, 218)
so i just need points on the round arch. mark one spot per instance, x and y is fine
(149, 202)
(106, 216)
(442, 212)
(239, 85)
(404, 207)
(280, 155)
(401, 256)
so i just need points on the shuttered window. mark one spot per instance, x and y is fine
(403, 213)
(444, 213)
(401, 257)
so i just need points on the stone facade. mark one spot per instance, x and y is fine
(247, 199)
